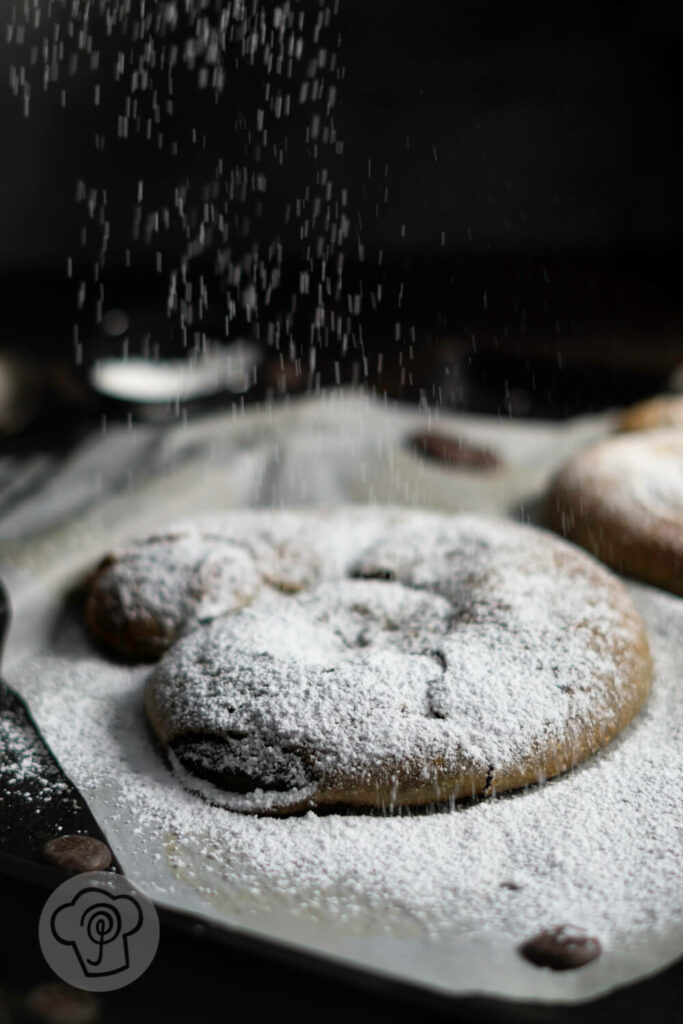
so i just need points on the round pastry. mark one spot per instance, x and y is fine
(144, 596)
(622, 499)
(459, 656)
(661, 411)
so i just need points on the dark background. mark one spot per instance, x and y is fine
(544, 141)
(532, 226)
(555, 127)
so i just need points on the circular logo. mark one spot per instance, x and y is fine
(97, 932)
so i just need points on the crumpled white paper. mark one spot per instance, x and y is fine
(338, 448)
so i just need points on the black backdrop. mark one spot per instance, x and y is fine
(533, 156)
(554, 126)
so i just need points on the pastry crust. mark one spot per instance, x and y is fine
(142, 597)
(622, 500)
(456, 656)
(652, 414)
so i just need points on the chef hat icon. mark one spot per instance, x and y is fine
(97, 926)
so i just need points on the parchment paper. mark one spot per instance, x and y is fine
(342, 447)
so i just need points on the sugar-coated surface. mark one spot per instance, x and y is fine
(25, 770)
(599, 847)
(213, 565)
(489, 643)
(390, 903)
(639, 476)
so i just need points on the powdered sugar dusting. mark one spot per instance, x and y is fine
(494, 644)
(24, 767)
(599, 846)
(638, 475)
(442, 896)
(167, 584)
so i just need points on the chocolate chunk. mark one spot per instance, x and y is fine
(240, 763)
(562, 948)
(55, 1003)
(77, 854)
(454, 451)
(373, 574)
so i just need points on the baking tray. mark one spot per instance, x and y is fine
(45, 571)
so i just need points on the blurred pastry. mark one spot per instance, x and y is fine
(622, 500)
(661, 411)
